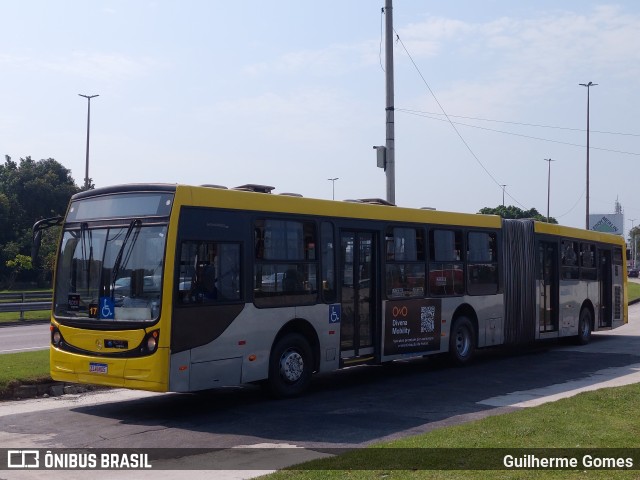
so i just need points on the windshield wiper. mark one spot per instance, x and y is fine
(84, 228)
(118, 261)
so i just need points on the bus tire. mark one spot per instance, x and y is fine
(584, 327)
(462, 341)
(290, 366)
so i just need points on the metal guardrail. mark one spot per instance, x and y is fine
(24, 307)
(24, 302)
(24, 296)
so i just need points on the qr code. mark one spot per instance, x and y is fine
(427, 319)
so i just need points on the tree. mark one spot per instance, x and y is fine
(634, 237)
(515, 212)
(29, 190)
(17, 265)
(5, 224)
(35, 189)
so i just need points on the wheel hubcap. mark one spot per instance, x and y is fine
(291, 366)
(462, 342)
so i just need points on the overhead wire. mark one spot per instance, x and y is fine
(399, 40)
(414, 112)
(381, 37)
(520, 123)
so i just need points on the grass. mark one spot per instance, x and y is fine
(600, 419)
(633, 290)
(23, 368)
(9, 317)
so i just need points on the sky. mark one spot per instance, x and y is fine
(291, 93)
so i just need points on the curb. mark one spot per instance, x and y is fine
(46, 390)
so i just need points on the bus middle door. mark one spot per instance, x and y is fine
(358, 267)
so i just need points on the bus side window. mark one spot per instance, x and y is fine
(285, 267)
(588, 270)
(209, 272)
(570, 269)
(445, 265)
(482, 263)
(405, 262)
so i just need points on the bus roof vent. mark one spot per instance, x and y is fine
(210, 185)
(252, 187)
(427, 208)
(289, 194)
(376, 201)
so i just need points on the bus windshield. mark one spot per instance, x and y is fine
(111, 273)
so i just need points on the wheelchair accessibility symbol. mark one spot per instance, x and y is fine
(107, 308)
(335, 312)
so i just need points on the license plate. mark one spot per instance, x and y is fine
(98, 367)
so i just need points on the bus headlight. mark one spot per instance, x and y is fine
(151, 343)
(56, 336)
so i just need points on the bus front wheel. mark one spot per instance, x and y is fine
(584, 327)
(290, 366)
(462, 342)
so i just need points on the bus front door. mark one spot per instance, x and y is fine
(357, 266)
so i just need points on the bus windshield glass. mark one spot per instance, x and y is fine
(111, 273)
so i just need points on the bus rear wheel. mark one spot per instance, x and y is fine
(462, 342)
(290, 366)
(584, 327)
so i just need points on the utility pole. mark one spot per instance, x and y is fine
(503, 187)
(548, 186)
(390, 163)
(86, 170)
(588, 85)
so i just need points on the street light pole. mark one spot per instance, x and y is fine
(333, 187)
(548, 186)
(588, 85)
(633, 244)
(86, 170)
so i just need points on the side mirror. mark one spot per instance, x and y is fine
(38, 227)
(35, 245)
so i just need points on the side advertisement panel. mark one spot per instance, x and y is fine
(412, 326)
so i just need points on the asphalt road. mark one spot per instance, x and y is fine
(350, 408)
(22, 338)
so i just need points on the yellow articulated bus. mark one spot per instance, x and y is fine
(184, 288)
